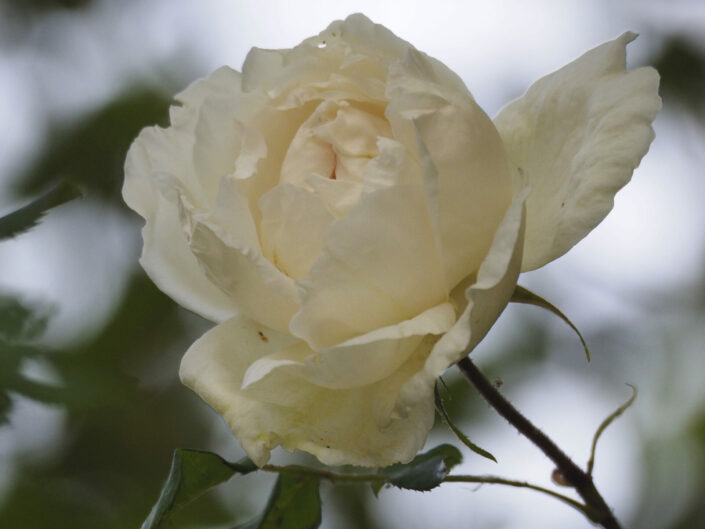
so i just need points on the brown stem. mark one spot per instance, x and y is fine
(578, 479)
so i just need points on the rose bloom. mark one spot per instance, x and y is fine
(355, 223)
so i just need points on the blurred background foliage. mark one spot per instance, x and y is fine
(120, 405)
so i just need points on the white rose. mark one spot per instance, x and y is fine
(355, 224)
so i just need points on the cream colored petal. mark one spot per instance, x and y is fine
(165, 254)
(260, 291)
(467, 181)
(360, 361)
(465, 170)
(222, 83)
(392, 166)
(354, 132)
(293, 228)
(378, 267)
(233, 214)
(338, 195)
(217, 146)
(337, 426)
(309, 154)
(417, 73)
(486, 298)
(576, 136)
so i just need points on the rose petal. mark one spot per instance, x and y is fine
(486, 298)
(576, 136)
(354, 132)
(338, 195)
(464, 165)
(468, 183)
(165, 254)
(223, 82)
(378, 267)
(259, 290)
(337, 426)
(360, 361)
(294, 225)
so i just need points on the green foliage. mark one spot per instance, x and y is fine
(440, 407)
(525, 296)
(295, 503)
(36, 7)
(18, 325)
(192, 473)
(681, 65)
(117, 431)
(425, 472)
(28, 216)
(92, 152)
(603, 426)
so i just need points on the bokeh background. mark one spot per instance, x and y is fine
(90, 404)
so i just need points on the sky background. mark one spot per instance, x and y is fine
(636, 272)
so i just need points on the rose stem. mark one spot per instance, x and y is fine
(578, 479)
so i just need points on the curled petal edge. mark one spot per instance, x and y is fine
(486, 298)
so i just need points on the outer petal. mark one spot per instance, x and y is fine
(576, 136)
(337, 426)
(465, 170)
(486, 298)
(360, 361)
(165, 254)
(378, 267)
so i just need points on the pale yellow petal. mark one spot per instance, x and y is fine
(293, 228)
(467, 182)
(378, 267)
(486, 298)
(576, 136)
(337, 426)
(465, 170)
(255, 285)
(165, 254)
(361, 360)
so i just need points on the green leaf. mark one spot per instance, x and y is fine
(525, 296)
(192, 473)
(28, 216)
(426, 471)
(5, 406)
(463, 438)
(295, 503)
(616, 413)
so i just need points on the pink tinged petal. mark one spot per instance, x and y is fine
(293, 227)
(576, 136)
(378, 267)
(166, 256)
(361, 360)
(337, 426)
(486, 298)
(259, 290)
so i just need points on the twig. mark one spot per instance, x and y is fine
(599, 512)
(381, 478)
